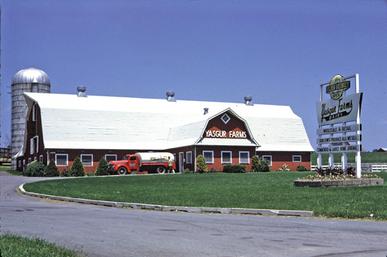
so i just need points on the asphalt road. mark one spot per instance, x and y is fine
(105, 231)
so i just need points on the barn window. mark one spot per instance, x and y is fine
(188, 157)
(296, 158)
(34, 112)
(208, 156)
(244, 157)
(61, 159)
(268, 158)
(110, 157)
(87, 159)
(226, 157)
(225, 118)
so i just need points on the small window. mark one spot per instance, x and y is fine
(225, 118)
(110, 157)
(244, 157)
(34, 112)
(87, 159)
(32, 146)
(41, 158)
(208, 156)
(297, 158)
(61, 159)
(188, 157)
(268, 158)
(226, 157)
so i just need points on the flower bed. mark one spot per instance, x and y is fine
(340, 180)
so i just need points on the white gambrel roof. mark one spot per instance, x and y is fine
(102, 122)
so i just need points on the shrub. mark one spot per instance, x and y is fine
(77, 168)
(301, 168)
(102, 169)
(284, 167)
(259, 165)
(234, 169)
(51, 170)
(201, 164)
(34, 169)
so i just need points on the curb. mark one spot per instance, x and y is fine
(166, 208)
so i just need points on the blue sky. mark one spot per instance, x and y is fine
(276, 51)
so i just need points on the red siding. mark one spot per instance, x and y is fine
(281, 158)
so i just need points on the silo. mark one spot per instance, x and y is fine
(26, 80)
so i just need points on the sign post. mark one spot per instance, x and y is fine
(339, 122)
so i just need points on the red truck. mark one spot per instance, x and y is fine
(152, 162)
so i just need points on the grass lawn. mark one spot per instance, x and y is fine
(16, 246)
(272, 190)
(10, 171)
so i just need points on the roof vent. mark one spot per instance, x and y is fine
(248, 100)
(81, 91)
(170, 96)
(205, 110)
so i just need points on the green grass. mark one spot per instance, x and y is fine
(10, 171)
(17, 246)
(272, 190)
(366, 157)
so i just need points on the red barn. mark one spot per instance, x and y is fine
(61, 127)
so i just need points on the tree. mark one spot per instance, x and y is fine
(201, 164)
(77, 168)
(102, 168)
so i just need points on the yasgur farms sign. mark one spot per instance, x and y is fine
(226, 134)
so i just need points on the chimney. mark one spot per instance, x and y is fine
(170, 96)
(205, 111)
(248, 100)
(81, 91)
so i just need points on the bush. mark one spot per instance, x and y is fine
(234, 169)
(77, 168)
(102, 169)
(51, 170)
(34, 169)
(301, 168)
(201, 164)
(259, 165)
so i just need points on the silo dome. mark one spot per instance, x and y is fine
(30, 75)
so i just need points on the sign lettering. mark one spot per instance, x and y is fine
(226, 134)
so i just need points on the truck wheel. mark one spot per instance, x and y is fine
(122, 171)
(160, 170)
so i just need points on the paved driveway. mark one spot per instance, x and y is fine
(104, 231)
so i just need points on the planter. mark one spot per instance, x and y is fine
(339, 183)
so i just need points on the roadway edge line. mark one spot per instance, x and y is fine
(166, 208)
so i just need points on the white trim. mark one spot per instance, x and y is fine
(115, 155)
(56, 159)
(208, 151)
(269, 157)
(248, 157)
(297, 155)
(85, 164)
(221, 157)
(188, 160)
